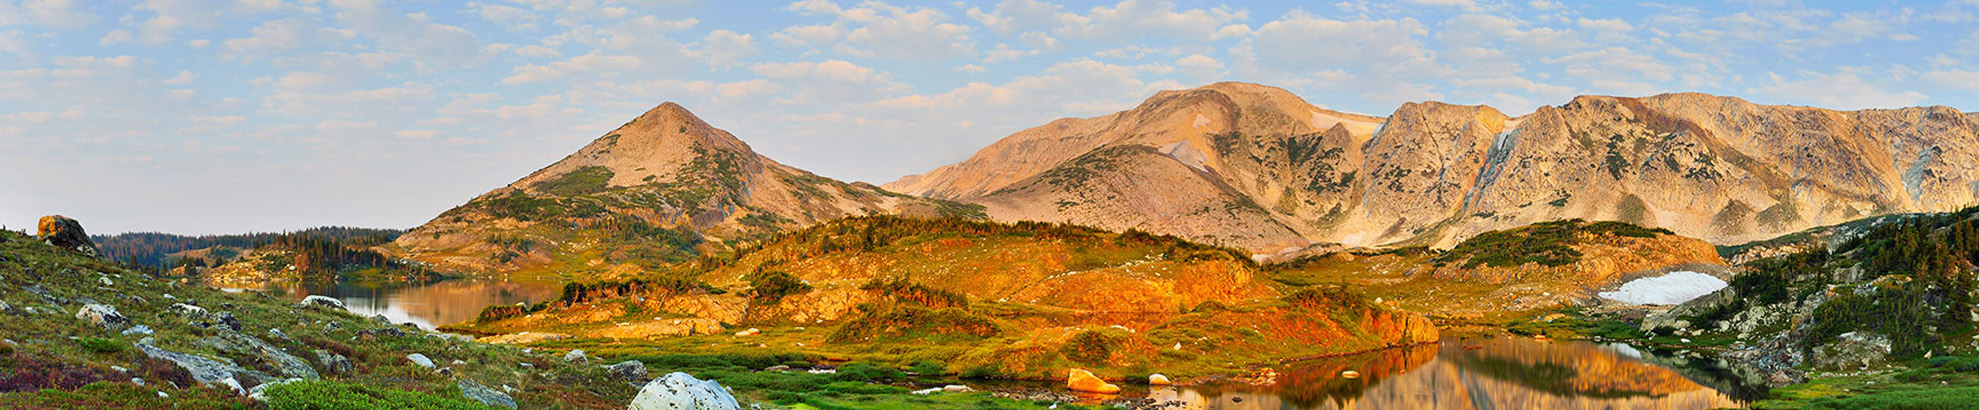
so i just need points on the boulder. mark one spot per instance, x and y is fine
(477, 392)
(139, 330)
(383, 331)
(102, 315)
(288, 365)
(322, 302)
(333, 363)
(1081, 380)
(188, 311)
(63, 232)
(226, 319)
(679, 391)
(203, 370)
(576, 357)
(420, 359)
(1158, 379)
(630, 370)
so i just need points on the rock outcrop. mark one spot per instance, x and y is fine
(680, 391)
(64, 232)
(484, 395)
(1257, 167)
(322, 302)
(1080, 380)
(102, 315)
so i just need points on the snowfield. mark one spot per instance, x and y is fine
(1670, 289)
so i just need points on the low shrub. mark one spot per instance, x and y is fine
(102, 345)
(328, 395)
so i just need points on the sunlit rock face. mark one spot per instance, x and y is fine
(1257, 167)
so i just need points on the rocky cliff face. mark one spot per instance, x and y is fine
(656, 189)
(1254, 166)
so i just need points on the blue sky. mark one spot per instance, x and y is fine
(215, 116)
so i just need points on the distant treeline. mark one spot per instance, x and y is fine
(152, 249)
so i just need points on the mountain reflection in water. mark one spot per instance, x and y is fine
(1501, 373)
(427, 305)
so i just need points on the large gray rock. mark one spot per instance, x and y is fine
(333, 363)
(205, 371)
(322, 302)
(188, 311)
(227, 320)
(63, 232)
(577, 357)
(420, 360)
(102, 315)
(630, 370)
(289, 365)
(679, 391)
(477, 392)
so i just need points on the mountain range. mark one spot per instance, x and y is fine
(1257, 167)
(1252, 167)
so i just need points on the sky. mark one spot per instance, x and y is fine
(226, 116)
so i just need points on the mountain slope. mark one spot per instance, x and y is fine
(658, 189)
(1024, 299)
(1256, 167)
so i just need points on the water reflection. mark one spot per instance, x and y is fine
(1503, 373)
(427, 305)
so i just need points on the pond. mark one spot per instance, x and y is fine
(427, 305)
(1480, 373)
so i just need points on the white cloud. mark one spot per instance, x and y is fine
(592, 63)
(830, 82)
(877, 29)
(1126, 20)
(725, 48)
(1845, 90)
(270, 38)
(1200, 68)
(53, 13)
(509, 17)
(534, 51)
(749, 88)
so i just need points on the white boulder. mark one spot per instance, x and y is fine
(679, 391)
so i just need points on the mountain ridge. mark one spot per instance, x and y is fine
(1431, 173)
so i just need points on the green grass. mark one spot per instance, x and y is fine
(329, 395)
(111, 395)
(1944, 382)
(58, 357)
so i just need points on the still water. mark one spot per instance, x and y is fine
(1500, 373)
(427, 305)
